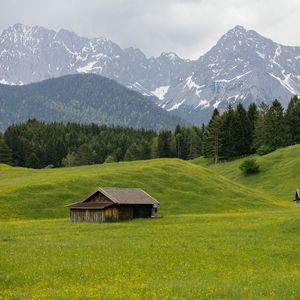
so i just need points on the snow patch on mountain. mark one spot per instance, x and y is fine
(235, 78)
(203, 104)
(176, 106)
(161, 91)
(87, 68)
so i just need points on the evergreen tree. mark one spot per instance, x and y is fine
(132, 153)
(260, 130)
(195, 143)
(212, 140)
(293, 119)
(85, 155)
(33, 161)
(252, 116)
(154, 147)
(179, 141)
(277, 134)
(243, 132)
(164, 144)
(229, 127)
(5, 153)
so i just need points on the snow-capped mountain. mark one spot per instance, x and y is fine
(242, 67)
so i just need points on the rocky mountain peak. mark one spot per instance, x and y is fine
(243, 66)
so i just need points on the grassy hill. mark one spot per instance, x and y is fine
(279, 175)
(220, 238)
(180, 186)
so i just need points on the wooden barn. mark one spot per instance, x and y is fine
(297, 197)
(113, 204)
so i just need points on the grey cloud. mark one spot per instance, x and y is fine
(188, 28)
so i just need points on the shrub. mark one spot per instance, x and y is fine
(264, 149)
(249, 166)
(109, 159)
(49, 166)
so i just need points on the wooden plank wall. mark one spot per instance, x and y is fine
(94, 215)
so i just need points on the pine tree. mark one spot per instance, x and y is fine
(229, 127)
(132, 153)
(164, 144)
(212, 140)
(260, 130)
(85, 155)
(277, 134)
(243, 132)
(195, 143)
(33, 161)
(252, 116)
(293, 119)
(5, 153)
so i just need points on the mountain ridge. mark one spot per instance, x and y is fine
(243, 66)
(82, 98)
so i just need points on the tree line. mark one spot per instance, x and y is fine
(234, 133)
(238, 132)
(37, 144)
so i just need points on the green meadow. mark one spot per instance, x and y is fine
(220, 235)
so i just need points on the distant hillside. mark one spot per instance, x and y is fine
(83, 98)
(279, 175)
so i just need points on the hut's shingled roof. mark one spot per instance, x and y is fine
(117, 196)
(128, 196)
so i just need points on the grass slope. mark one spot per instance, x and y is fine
(203, 248)
(180, 186)
(279, 175)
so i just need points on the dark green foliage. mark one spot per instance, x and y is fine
(85, 155)
(236, 133)
(36, 144)
(33, 161)
(293, 119)
(132, 153)
(82, 98)
(164, 146)
(188, 142)
(212, 139)
(5, 152)
(260, 131)
(243, 135)
(229, 133)
(249, 166)
(277, 134)
(265, 149)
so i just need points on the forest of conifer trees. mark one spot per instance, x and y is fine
(234, 133)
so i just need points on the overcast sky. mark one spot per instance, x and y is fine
(188, 27)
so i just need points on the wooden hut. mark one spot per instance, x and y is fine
(113, 204)
(297, 196)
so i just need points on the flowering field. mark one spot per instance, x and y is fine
(222, 256)
(217, 238)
